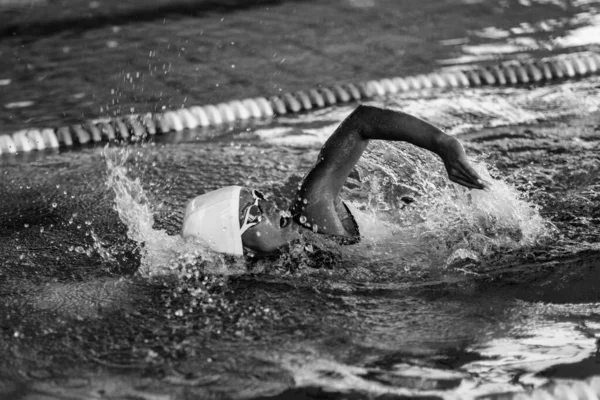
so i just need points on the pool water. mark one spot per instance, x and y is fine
(95, 272)
(463, 294)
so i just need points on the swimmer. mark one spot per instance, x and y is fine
(235, 219)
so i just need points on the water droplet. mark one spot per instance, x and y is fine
(42, 229)
(305, 201)
(302, 219)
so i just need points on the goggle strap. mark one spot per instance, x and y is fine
(247, 225)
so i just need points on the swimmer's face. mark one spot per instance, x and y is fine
(273, 228)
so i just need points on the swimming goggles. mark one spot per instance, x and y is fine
(253, 213)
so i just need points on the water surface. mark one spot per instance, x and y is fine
(468, 293)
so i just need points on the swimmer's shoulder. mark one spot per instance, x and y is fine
(330, 217)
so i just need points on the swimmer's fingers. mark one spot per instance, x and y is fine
(465, 183)
(461, 172)
(469, 174)
(457, 164)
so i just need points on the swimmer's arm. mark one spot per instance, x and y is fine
(343, 149)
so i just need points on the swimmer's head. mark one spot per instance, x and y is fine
(264, 227)
(233, 218)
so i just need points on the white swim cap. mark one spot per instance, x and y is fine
(214, 218)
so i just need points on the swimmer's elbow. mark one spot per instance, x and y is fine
(363, 112)
(360, 120)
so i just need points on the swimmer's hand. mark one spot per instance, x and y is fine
(457, 165)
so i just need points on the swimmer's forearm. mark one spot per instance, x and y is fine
(382, 124)
(377, 123)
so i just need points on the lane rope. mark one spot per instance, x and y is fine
(139, 126)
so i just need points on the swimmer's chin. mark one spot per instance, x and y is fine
(257, 254)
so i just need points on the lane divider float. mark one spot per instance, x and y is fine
(139, 126)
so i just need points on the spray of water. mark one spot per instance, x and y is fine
(161, 253)
(197, 294)
(429, 221)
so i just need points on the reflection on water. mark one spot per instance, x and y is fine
(533, 347)
(554, 34)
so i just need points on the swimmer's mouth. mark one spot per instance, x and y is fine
(284, 221)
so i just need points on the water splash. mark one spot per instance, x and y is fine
(413, 213)
(161, 253)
